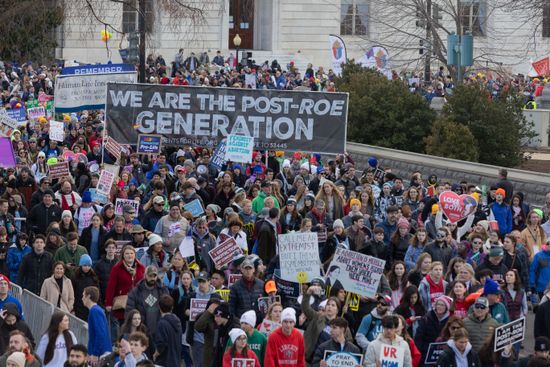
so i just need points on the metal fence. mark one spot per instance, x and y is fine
(38, 312)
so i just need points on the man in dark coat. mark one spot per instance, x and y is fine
(41, 215)
(244, 294)
(168, 335)
(35, 266)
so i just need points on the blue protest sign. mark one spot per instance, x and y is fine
(149, 144)
(218, 157)
(18, 114)
(194, 207)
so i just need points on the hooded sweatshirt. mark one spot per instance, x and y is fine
(370, 328)
(460, 358)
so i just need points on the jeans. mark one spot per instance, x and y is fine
(196, 349)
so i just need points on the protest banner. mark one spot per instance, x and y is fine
(289, 289)
(456, 207)
(391, 356)
(7, 157)
(57, 130)
(58, 170)
(6, 120)
(435, 350)
(232, 279)
(18, 114)
(268, 326)
(86, 90)
(194, 207)
(379, 175)
(114, 148)
(202, 116)
(149, 144)
(36, 112)
(509, 333)
(119, 205)
(338, 53)
(265, 302)
(299, 256)
(218, 156)
(98, 197)
(119, 245)
(355, 272)
(239, 148)
(106, 179)
(342, 359)
(196, 307)
(224, 253)
(242, 362)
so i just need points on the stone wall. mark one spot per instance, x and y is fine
(534, 185)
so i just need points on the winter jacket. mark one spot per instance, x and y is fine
(542, 320)
(203, 244)
(99, 341)
(412, 255)
(428, 330)
(40, 217)
(6, 329)
(399, 249)
(50, 292)
(499, 270)
(151, 218)
(243, 298)
(388, 228)
(258, 202)
(148, 259)
(503, 215)
(14, 259)
(172, 231)
(121, 283)
(539, 271)
(452, 357)
(257, 342)
(103, 270)
(480, 330)
(370, 328)
(332, 346)
(520, 262)
(267, 241)
(215, 337)
(427, 291)
(407, 312)
(168, 341)
(86, 239)
(80, 281)
(374, 351)
(69, 256)
(34, 269)
(228, 359)
(145, 300)
(442, 253)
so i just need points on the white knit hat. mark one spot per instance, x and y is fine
(18, 358)
(235, 333)
(249, 317)
(66, 213)
(288, 314)
(154, 238)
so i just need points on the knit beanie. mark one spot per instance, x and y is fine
(235, 333)
(249, 317)
(435, 209)
(17, 358)
(490, 287)
(403, 223)
(288, 314)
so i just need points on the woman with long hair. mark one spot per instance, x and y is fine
(239, 349)
(533, 237)
(516, 258)
(276, 192)
(53, 348)
(416, 356)
(40, 168)
(416, 247)
(397, 278)
(182, 295)
(412, 198)
(334, 201)
(309, 201)
(514, 297)
(93, 237)
(108, 214)
(58, 289)
(411, 308)
(290, 217)
(518, 214)
(367, 202)
(458, 293)
(421, 269)
(272, 319)
(454, 323)
(178, 264)
(67, 224)
(452, 270)
(399, 241)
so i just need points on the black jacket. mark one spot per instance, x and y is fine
(81, 281)
(242, 299)
(447, 359)
(103, 270)
(40, 217)
(542, 320)
(20, 325)
(86, 239)
(332, 346)
(428, 330)
(168, 341)
(34, 269)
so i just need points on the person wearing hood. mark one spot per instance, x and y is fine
(15, 255)
(431, 324)
(388, 336)
(168, 337)
(10, 320)
(371, 325)
(459, 352)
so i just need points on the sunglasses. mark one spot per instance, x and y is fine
(480, 307)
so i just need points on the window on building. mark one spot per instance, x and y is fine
(473, 16)
(546, 20)
(354, 17)
(130, 19)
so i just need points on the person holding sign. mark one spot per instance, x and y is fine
(389, 349)
(460, 352)
(337, 343)
(239, 355)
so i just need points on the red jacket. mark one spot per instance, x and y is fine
(250, 355)
(121, 283)
(416, 356)
(283, 350)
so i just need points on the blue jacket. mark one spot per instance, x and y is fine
(503, 215)
(539, 271)
(99, 340)
(412, 255)
(12, 299)
(14, 258)
(389, 229)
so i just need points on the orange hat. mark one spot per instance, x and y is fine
(435, 209)
(355, 202)
(500, 191)
(270, 286)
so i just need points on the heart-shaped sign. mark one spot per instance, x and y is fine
(456, 207)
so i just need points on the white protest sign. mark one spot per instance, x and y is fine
(268, 326)
(242, 362)
(239, 148)
(5, 119)
(509, 333)
(187, 247)
(57, 132)
(342, 359)
(106, 178)
(355, 272)
(196, 307)
(224, 253)
(120, 203)
(391, 356)
(299, 256)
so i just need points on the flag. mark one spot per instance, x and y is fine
(542, 66)
(338, 53)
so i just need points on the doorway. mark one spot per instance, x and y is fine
(241, 22)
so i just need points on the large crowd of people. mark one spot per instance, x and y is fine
(123, 270)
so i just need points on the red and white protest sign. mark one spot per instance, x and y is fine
(196, 307)
(113, 147)
(224, 253)
(542, 66)
(392, 356)
(58, 170)
(456, 207)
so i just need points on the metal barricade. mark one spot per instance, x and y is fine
(16, 291)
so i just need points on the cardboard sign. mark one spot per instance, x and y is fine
(265, 302)
(57, 131)
(242, 362)
(58, 170)
(289, 289)
(224, 253)
(239, 148)
(392, 356)
(356, 273)
(233, 278)
(36, 112)
(197, 307)
(435, 350)
(194, 207)
(299, 256)
(149, 144)
(379, 175)
(342, 359)
(18, 114)
(119, 205)
(106, 179)
(509, 333)
(5, 119)
(456, 207)
(268, 326)
(218, 157)
(114, 148)
(98, 197)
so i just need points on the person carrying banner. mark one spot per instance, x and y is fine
(239, 349)
(337, 342)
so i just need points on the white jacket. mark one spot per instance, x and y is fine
(375, 348)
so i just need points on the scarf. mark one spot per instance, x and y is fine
(64, 204)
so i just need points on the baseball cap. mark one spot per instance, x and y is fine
(158, 200)
(128, 209)
(203, 275)
(152, 269)
(384, 299)
(247, 263)
(482, 302)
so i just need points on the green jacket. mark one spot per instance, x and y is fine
(69, 257)
(500, 313)
(257, 342)
(480, 331)
(258, 202)
(317, 324)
